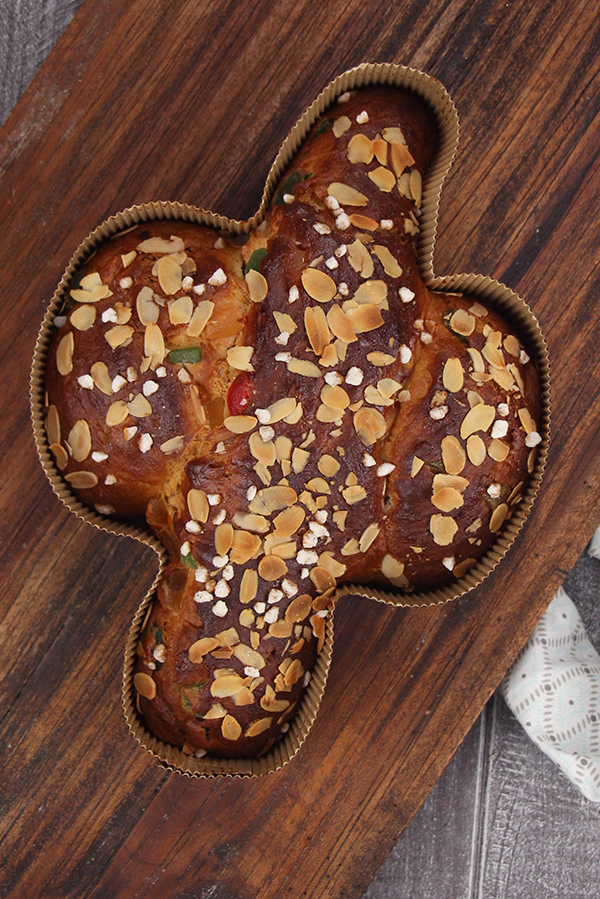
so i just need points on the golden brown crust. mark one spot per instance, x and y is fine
(358, 427)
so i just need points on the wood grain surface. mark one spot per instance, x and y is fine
(190, 101)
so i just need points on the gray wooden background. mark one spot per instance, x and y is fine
(502, 821)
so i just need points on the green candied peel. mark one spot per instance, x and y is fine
(189, 560)
(186, 356)
(294, 178)
(437, 466)
(255, 260)
(325, 124)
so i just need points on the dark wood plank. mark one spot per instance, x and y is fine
(190, 101)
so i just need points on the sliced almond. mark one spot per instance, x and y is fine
(370, 425)
(240, 424)
(53, 425)
(271, 568)
(262, 450)
(391, 567)
(476, 449)
(447, 499)
(299, 459)
(288, 521)
(248, 586)
(365, 318)
(231, 729)
(417, 465)
(148, 311)
(249, 656)
(200, 648)
(364, 222)
(64, 354)
(160, 245)
(259, 726)
(383, 179)
(120, 335)
(359, 150)
(328, 466)
(227, 685)
(318, 285)
(181, 309)
(341, 125)
(441, 481)
(285, 322)
(374, 291)
(281, 409)
(368, 537)
(80, 440)
(116, 413)
(298, 609)
(442, 529)
(346, 195)
(223, 538)
(257, 285)
(400, 157)
(453, 455)
(197, 503)
(453, 375)
(476, 359)
(82, 480)
(83, 317)
(244, 547)
(415, 186)
(169, 275)
(340, 324)
(139, 407)
(273, 499)
(144, 685)
(498, 450)
(479, 418)
(61, 457)
(390, 265)
(154, 345)
(250, 521)
(498, 517)
(304, 367)
(360, 259)
(380, 359)
(200, 318)
(239, 358)
(317, 330)
(462, 322)
(335, 397)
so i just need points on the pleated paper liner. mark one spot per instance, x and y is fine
(474, 286)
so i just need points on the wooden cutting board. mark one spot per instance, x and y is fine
(189, 101)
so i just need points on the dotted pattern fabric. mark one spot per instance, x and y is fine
(553, 689)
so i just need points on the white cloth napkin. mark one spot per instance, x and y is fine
(553, 689)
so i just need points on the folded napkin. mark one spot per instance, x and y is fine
(553, 689)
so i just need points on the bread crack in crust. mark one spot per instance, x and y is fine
(287, 416)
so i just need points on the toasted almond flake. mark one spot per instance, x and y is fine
(139, 407)
(248, 586)
(304, 367)
(116, 413)
(360, 259)
(335, 397)
(258, 727)
(288, 521)
(498, 450)
(200, 318)
(92, 293)
(318, 485)
(417, 465)
(169, 275)
(82, 480)
(364, 222)
(272, 499)
(511, 345)
(498, 517)
(197, 503)
(144, 685)
(61, 456)
(415, 186)
(340, 324)
(391, 568)
(380, 359)
(476, 359)
(285, 322)
(341, 125)
(159, 245)
(271, 568)
(239, 357)
(447, 499)
(380, 149)
(64, 354)
(226, 684)
(154, 345)
(370, 425)
(322, 579)
(83, 317)
(388, 386)
(299, 459)
(244, 547)
(336, 569)
(453, 455)
(389, 263)
(374, 292)
(476, 449)
(298, 609)
(383, 178)
(282, 630)
(262, 450)
(346, 195)
(400, 157)
(257, 285)
(493, 355)
(80, 440)
(120, 335)
(479, 418)
(453, 375)
(231, 729)
(390, 134)
(354, 494)
(248, 656)
(240, 424)
(318, 285)
(350, 547)
(223, 538)
(368, 537)
(365, 318)
(200, 648)
(317, 330)
(148, 311)
(180, 310)
(375, 398)
(53, 425)
(526, 419)
(328, 466)
(359, 151)
(442, 528)
(441, 481)
(462, 323)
